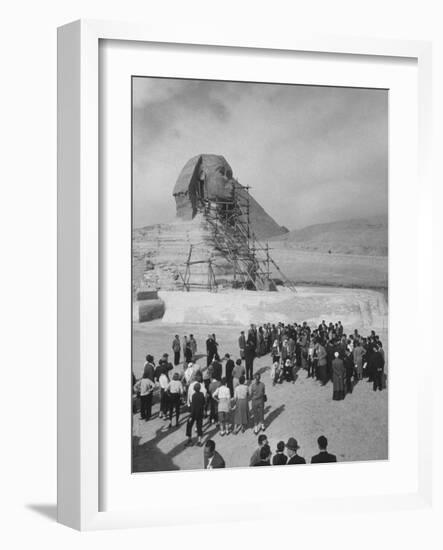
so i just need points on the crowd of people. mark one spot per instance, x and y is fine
(233, 398)
(325, 352)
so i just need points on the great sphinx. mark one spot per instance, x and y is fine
(209, 178)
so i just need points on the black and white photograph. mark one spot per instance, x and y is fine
(259, 274)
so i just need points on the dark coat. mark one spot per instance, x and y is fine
(323, 457)
(229, 368)
(338, 375)
(378, 362)
(217, 461)
(242, 341)
(197, 405)
(296, 460)
(216, 370)
(211, 346)
(149, 371)
(279, 459)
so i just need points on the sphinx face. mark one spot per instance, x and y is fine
(218, 183)
(204, 177)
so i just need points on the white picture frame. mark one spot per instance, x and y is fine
(79, 257)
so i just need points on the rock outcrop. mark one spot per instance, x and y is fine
(160, 254)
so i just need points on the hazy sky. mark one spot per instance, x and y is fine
(311, 154)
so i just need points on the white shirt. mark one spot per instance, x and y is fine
(189, 373)
(146, 386)
(163, 381)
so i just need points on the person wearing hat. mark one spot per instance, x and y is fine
(292, 447)
(197, 411)
(323, 456)
(338, 378)
(280, 459)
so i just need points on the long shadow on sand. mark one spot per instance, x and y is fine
(149, 458)
(261, 370)
(269, 419)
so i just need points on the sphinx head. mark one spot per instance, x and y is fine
(204, 177)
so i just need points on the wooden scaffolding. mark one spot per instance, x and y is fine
(252, 265)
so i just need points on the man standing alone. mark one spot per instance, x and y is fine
(176, 349)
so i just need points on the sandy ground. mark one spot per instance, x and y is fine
(357, 428)
(349, 270)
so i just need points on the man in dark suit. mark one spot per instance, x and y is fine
(216, 370)
(149, 368)
(280, 459)
(249, 358)
(229, 367)
(211, 349)
(378, 367)
(212, 459)
(323, 456)
(197, 412)
(292, 447)
(242, 344)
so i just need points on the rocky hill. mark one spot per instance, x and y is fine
(366, 236)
